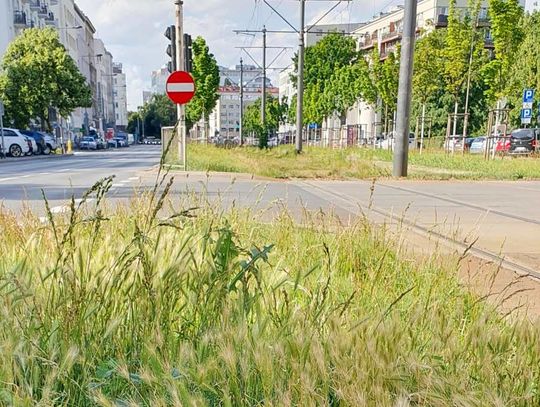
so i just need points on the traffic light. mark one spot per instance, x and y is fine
(188, 54)
(170, 33)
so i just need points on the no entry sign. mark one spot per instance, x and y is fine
(180, 87)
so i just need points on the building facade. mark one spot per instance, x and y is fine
(385, 33)
(17, 15)
(225, 118)
(120, 96)
(77, 33)
(159, 81)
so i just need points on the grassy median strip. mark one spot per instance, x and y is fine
(211, 307)
(359, 163)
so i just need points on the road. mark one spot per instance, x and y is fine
(502, 217)
(22, 180)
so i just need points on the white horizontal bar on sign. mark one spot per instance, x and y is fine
(180, 87)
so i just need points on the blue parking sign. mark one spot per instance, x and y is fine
(528, 96)
(526, 113)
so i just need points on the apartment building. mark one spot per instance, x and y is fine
(120, 96)
(225, 118)
(77, 33)
(17, 15)
(385, 33)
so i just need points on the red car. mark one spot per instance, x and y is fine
(503, 145)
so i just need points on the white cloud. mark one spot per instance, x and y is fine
(133, 29)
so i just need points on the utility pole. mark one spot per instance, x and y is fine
(241, 102)
(182, 139)
(401, 153)
(300, 85)
(263, 99)
(2, 129)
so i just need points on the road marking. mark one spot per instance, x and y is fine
(18, 177)
(118, 185)
(134, 178)
(65, 170)
(44, 173)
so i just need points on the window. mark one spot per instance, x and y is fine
(9, 133)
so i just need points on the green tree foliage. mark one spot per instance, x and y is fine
(322, 62)
(429, 65)
(276, 113)
(206, 75)
(462, 37)
(38, 74)
(525, 70)
(157, 113)
(507, 30)
(134, 119)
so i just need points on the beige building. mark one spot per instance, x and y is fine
(385, 32)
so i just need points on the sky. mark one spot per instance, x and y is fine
(133, 30)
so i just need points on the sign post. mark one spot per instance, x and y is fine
(2, 129)
(527, 110)
(181, 89)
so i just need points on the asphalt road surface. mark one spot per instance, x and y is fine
(502, 218)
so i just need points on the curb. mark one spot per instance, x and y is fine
(35, 157)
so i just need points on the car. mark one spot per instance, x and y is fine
(523, 141)
(88, 143)
(122, 140)
(39, 138)
(17, 144)
(478, 145)
(503, 144)
(50, 140)
(389, 143)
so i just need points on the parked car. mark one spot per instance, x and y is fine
(88, 143)
(17, 144)
(389, 143)
(122, 140)
(503, 145)
(39, 138)
(478, 145)
(523, 141)
(50, 140)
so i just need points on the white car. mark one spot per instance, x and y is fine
(17, 144)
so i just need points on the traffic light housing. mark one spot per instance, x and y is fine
(170, 33)
(188, 53)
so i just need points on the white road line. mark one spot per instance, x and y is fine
(59, 209)
(65, 170)
(134, 178)
(118, 185)
(8, 179)
(44, 173)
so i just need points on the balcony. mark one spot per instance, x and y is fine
(53, 2)
(483, 22)
(367, 43)
(391, 36)
(50, 20)
(43, 12)
(35, 5)
(441, 21)
(19, 19)
(488, 43)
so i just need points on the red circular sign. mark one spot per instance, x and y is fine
(180, 87)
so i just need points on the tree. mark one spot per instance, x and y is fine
(507, 31)
(524, 71)
(322, 61)
(158, 112)
(37, 75)
(206, 75)
(276, 113)
(134, 119)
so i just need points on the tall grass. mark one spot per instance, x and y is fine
(163, 303)
(360, 163)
